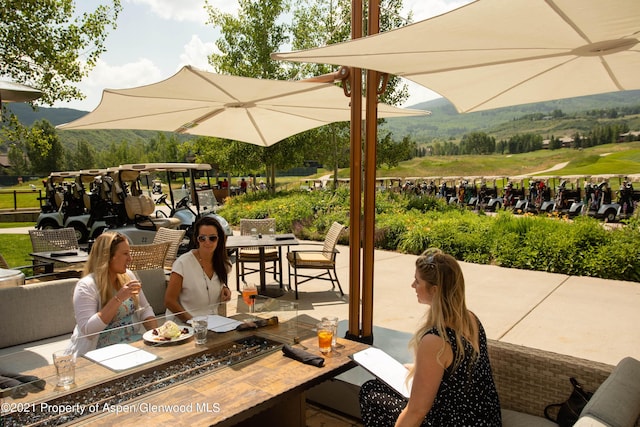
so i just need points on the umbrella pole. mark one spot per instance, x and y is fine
(355, 182)
(370, 183)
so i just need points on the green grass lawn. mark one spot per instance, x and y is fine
(15, 249)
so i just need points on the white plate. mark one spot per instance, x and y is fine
(150, 337)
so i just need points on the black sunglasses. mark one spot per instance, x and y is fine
(212, 238)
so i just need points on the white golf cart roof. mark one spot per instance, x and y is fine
(172, 167)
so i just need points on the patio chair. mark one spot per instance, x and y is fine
(252, 255)
(52, 240)
(148, 257)
(324, 259)
(174, 237)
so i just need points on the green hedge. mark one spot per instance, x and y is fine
(582, 247)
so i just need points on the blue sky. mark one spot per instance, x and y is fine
(155, 38)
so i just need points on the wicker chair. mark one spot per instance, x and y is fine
(148, 257)
(174, 237)
(324, 259)
(252, 255)
(51, 240)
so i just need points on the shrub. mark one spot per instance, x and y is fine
(411, 224)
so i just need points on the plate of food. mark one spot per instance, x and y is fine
(169, 332)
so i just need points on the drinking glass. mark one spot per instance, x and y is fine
(65, 363)
(325, 335)
(334, 323)
(254, 233)
(200, 329)
(249, 294)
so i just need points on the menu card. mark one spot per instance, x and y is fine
(386, 368)
(119, 357)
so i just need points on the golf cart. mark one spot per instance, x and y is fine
(182, 207)
(568, 193)
(537, 194)
(626, 204)
(491, 200)
(69, 198)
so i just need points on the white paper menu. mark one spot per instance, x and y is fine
(386, 368)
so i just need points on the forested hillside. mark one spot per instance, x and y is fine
(552, 118)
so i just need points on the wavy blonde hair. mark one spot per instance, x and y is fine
(448, 308)
(102, 251)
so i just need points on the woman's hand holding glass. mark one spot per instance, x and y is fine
(129, 289)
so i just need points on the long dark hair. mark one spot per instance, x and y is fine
(220, 261)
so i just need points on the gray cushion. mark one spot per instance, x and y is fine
(154, 285)
(617, 400)
(520, 419)
(36, 311)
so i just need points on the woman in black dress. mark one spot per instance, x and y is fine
(452, 379)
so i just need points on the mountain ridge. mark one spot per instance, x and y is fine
(444, 122)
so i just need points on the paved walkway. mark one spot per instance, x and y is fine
(596, 319)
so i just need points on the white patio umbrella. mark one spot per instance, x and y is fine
(16, 92)
(496, 53)
(257, 111)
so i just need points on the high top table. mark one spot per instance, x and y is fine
(260, 242)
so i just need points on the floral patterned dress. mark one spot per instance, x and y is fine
(121, 328)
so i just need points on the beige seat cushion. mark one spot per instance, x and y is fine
(253, 254)
(309, 259)
(139, 205)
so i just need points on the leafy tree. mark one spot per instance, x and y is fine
(247, 40)
(43, 148)
(122, 153)
(38, 143)
(392, 153)
(83, 157)
(43, 44)
(163, 148)
(477, 143)
(18, 159)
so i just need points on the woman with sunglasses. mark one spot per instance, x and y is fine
(108, 300)
(199, 277)
(452, 378)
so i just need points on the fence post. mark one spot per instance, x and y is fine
(15, 200)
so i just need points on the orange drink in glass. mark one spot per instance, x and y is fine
(325, 335)
(247, 293)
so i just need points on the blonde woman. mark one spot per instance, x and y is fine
(108, 300)
(452, 379)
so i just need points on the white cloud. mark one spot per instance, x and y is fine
(196, 53)
(105, 76)
(186, 10)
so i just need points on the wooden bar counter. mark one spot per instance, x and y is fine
(265, 390)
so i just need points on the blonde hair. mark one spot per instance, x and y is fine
(448, 308)
(102, 251)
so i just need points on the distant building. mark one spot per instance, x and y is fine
(633, 135)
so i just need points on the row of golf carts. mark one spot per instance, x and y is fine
(122, 198)
(608, 197)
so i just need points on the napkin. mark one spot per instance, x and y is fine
(13, 387)
(31, 379)
(303, 356)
